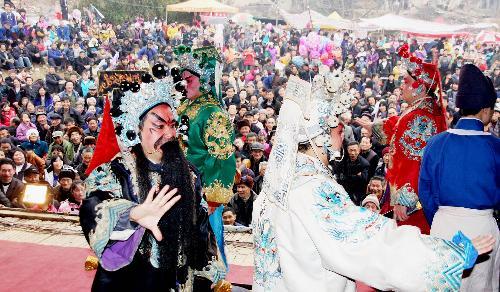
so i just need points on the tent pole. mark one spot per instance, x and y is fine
(310, 17)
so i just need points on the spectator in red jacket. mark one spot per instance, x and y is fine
(7, 114)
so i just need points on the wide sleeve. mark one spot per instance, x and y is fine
(427, 193)
(105, 221)
(362, 245)
(407, 148)
(219, 165)
(384, 129)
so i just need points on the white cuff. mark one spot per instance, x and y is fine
(122, 235)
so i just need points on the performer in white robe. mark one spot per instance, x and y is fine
(309, 236)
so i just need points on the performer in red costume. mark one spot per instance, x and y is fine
(407, 136)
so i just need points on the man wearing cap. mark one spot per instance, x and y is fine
(92, 89)
(256, 156)
(250, 138)
(210, 136)
(408, 134)
(95, 94)
(68, 149)
(34, 143)
(460, 176)
(243, 127)
(32, 176)
(242, 201)
(41, 122)
(75, 136)
(55, 125)
(63, 190)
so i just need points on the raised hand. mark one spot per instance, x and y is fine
(151, 210)
(400, 213)
(365, 124)
(337, 137)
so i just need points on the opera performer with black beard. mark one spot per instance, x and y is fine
(144, 215)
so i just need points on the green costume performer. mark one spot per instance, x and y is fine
(210, 135)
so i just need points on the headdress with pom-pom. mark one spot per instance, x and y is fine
(132, 100)
(126, 109)
(204, 62)
(426, 75)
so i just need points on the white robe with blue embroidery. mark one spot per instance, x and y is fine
(320, 241)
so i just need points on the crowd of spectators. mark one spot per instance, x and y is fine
(259, 61)
(48, 126)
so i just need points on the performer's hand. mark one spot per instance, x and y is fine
(400, 212)
(365, 124)
(149, 213)
(337, 137)
(483, 243)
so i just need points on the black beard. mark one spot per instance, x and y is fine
(178, 225)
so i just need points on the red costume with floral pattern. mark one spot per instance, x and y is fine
(407, 137)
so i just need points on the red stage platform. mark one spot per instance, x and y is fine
(34, 267)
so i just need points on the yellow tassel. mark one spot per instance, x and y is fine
(223, 286)
(91, 263)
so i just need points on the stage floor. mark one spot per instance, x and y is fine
(44, 261)
(40, 268)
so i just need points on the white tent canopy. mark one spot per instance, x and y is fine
(418, 27)
(302, 20)
(202, 6)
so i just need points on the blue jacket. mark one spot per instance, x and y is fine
(39, 147)
(460, 168)
(63, 33)
(54, 54)
(49, 103)
(8, 17)
(5, 34)
(151, 53)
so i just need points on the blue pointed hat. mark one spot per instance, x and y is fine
(475, 91)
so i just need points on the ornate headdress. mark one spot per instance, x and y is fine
(309, 111)
(127, 110)
(204, 62)
(331, 96)
(426, 75)
(133, 100)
